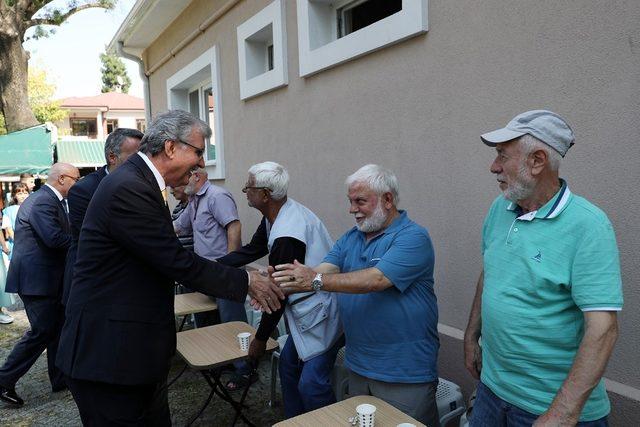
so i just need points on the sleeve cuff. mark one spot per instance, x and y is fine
(603, 308)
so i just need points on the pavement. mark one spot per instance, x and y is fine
(44, 408)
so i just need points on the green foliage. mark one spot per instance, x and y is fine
(114, 74)
(3, 128)
(41, 95)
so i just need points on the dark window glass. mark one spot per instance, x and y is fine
(358, 15)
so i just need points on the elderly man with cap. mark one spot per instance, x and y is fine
(547, 298)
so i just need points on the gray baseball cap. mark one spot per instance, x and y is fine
(544, 125)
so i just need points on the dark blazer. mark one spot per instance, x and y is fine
(42, 238)
(78, 199)
(120, 326)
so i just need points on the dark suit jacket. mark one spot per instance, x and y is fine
(42, 238)
(120, 326)
(78, 199)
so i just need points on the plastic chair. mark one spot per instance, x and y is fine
(275, 357)
(449, 400)
(340, 377)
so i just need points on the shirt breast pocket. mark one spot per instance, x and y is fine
(373, 262)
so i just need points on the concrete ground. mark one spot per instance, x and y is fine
(44, 408)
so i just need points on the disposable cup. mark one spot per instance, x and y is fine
(243, 340)
(406, 425)
(366, 414)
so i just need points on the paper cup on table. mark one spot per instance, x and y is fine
(243, 340)
(406, 425)
(366, 414)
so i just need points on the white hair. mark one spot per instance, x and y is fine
(378, 179)
(529, 144)
(273, 176)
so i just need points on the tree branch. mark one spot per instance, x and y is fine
(56, 17)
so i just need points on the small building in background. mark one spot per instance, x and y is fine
(95, 117)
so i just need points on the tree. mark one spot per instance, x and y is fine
(114, 74)
(41, 92)
(16, 17)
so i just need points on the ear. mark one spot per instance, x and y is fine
(387, 200)
(113, 159)
(538, 160)
(170, 148)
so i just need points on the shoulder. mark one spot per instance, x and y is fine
(580, 209)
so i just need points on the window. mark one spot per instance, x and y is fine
(262, 55)
(195, 89)
(333, 32)
(141, 125)
(112, 124)
(358, 14)
(84, 127)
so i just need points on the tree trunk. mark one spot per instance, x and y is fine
(14, 102)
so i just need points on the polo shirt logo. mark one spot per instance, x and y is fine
(537, 258)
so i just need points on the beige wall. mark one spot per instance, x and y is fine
(418, 108)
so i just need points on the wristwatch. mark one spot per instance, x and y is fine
(316, 285)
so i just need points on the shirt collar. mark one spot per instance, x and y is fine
(395, 224)
(204, 188)
(551, 209)
(155, 171)
(56, 192)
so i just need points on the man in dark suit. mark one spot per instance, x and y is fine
(120, 144)
(42, 238)
(119, 333)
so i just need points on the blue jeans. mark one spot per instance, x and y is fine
(306, 385)
(491, 411)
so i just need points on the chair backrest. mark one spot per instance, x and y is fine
(340, 377)
(449, 400)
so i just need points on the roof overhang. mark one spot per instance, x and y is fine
(144, 24)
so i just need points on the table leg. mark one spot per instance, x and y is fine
(177, 376)
(184, 319)
(206, 403)
(236, 405)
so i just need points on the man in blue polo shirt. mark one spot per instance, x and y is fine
(383, 271)
(547, 299)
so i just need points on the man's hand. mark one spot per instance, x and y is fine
(257, 349)
(294, 277)
(473, 357)
(5, 248)
(264, 291)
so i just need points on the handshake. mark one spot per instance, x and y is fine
(268, 288)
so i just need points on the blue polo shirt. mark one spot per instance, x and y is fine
(542, 270)
(392, 334)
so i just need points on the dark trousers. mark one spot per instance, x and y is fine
(46, 317)
(101, 404)
(491, 411)
(306, 385)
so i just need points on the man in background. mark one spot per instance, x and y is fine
(42, 238)
(120, 144)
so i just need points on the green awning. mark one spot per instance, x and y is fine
(87, 153)
(26, 151)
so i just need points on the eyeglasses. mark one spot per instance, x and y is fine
(199, 151)
(247, 188)
(74, 178)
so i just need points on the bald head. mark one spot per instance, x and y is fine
(62, 176)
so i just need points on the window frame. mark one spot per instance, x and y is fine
(319, 47)
(202, 73)
(273, 15)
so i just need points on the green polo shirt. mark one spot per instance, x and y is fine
(542, 270)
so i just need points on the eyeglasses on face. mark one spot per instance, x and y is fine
(247, 188)
(74, 178)
(199, 151)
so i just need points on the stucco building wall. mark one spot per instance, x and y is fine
(418, 107)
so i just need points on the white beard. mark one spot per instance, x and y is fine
(375, 222)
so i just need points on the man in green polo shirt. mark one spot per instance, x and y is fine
(547, 299)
